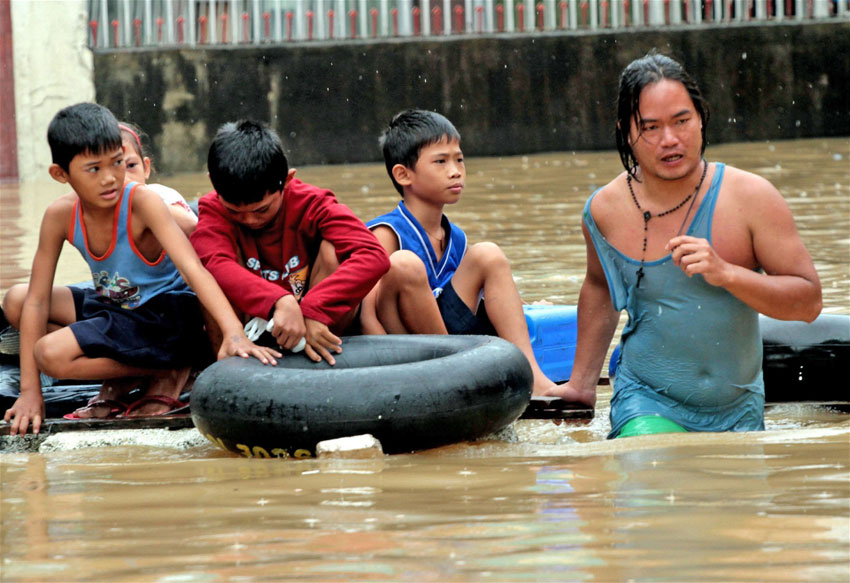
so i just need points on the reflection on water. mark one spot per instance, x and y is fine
(736, 507)
(549, 504)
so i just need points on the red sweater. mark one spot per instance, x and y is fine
(256, 268)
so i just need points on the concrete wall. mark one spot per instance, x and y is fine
(53, 68)
(506, 94)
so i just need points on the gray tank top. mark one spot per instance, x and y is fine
(691, 351)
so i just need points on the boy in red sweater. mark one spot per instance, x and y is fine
(281, 249)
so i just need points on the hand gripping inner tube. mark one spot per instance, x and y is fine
(409, 391)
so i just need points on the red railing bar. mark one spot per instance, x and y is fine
(458, 27)
(437, 20)
(93, 27)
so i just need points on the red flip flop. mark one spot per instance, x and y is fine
(177, 406)
(116, 409)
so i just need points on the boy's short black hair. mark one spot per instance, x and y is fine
(409, 132)
(80, 128)
(649, 69)
(246, 162)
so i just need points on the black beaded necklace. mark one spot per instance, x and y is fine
(648, 215)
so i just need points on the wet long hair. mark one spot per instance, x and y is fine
(81, 128)
(409, 132)
(649, 69)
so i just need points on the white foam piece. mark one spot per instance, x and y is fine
(356, 447)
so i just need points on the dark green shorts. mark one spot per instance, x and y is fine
(649, 425)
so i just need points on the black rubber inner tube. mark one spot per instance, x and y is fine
(409, 391)
(806, 362)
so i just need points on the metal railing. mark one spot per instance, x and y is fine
(146, 23)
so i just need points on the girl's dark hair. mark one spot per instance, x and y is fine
(409, 132)
(246, 162)
(136, 135)
(81, 128)
(641, 72)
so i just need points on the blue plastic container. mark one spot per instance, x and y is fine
(552, 330)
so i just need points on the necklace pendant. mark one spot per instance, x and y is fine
(639, 276)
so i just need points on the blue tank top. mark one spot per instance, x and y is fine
(122, 275)
(691, 351)
(413, 237)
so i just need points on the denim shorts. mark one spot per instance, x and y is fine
(167, 331)
(459, 319)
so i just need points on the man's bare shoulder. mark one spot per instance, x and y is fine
(751, 202)
(741, 183)
(609, 197)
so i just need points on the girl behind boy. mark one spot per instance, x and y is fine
(139, 170)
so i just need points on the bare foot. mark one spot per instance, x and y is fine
(542, 384)
(108, 403)
(168, 384)
(570, 394)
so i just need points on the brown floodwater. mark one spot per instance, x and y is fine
(543, 503)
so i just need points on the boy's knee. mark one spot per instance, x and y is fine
(325, 264)
(407, 268)
(47, 357)
(407, 264)
(327, 258)
(488, 253)
(13, 303)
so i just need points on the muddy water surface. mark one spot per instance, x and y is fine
(546, 503)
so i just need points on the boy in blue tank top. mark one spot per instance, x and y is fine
(693, 251)
(140, 325)
(437, 284)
